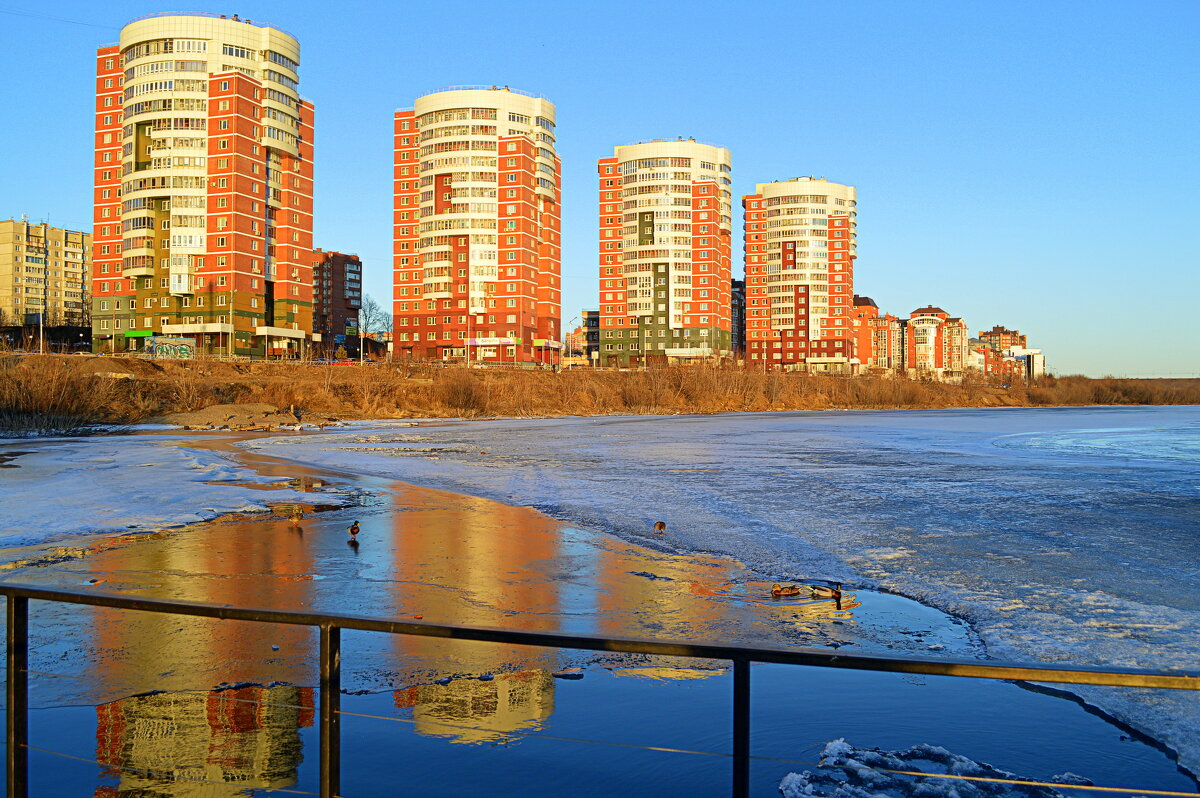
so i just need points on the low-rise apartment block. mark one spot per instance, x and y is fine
(935, 343)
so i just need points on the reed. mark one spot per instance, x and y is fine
(56, 394)
(45, 396)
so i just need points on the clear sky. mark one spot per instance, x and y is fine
(1032, 164)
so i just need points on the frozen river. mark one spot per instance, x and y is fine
(1069, 535)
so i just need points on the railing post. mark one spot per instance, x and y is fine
(741, 728)
(331, 704)
(17, 721)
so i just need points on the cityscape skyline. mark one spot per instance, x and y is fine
(989, 208)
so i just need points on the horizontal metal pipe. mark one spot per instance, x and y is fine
(1117, 677)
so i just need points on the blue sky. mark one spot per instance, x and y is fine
(1032, 164)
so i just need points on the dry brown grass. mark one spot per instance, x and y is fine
(40, 394)
(45, 396)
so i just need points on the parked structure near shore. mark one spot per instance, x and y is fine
(203, 187)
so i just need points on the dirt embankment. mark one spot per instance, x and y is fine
(118, 390)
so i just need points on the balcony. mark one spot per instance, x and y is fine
(142, 270)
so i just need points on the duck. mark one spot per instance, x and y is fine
(295, 518)
(660, 527)
(784, 590)
(353, 530)
(826, 592)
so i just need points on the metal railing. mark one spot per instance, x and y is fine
(331, 626)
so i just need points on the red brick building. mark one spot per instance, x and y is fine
(800, 252)
(337, 299)
(477, 222)
(935, 343)
(1000, 338)
(203, 188)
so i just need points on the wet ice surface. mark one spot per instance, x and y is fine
(53, 490)
(1067, 535)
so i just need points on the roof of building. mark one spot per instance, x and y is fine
(929, 309)
(864, 300)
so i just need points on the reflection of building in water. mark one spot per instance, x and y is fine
(474, 711)
(632, 605)
(478, 564)
(203, 744)
(203, 735)
(157, 651)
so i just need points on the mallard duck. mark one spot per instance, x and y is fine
(784, 590)
(660, 527)
(826, 592)
(353, 530)
(295, 518)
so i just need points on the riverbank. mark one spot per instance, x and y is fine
(44, 394)
(495, 711)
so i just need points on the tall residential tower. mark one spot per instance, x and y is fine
(477, 258)
(665, 227)
(203, 187)
(800, 251)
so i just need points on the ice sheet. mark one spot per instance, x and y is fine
(1068, 535)
(72, 487)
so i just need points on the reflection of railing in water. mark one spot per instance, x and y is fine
(331, 625)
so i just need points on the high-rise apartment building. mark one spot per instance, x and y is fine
(800, 252)
(737, 317)
(337, 298)
(203, 187)
(43, 274)
(665, 225)
(477, 225)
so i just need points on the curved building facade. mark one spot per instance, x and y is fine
(800, 252)
(477, 259)
(203, 225)
(665, 227)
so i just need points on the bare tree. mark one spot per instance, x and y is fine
(372, 318)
